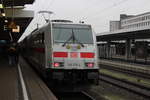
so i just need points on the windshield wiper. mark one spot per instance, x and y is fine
(74, 39)
(67, 40)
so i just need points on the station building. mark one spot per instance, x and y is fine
(128, 38)
(130, 22)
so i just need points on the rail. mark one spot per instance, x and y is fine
(130, 86)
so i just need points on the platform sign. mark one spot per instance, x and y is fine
(5, 27)
(16, 30)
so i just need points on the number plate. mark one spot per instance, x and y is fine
(74, 64)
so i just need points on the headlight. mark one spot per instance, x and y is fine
(58, 64)
(89, 64)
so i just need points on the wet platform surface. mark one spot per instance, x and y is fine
(11, 87)
(8, 80)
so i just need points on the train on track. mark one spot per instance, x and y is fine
(63, 51)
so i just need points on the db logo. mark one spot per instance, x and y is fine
(74, 55)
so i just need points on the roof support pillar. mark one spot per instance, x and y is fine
(128, 49)
(108, 49)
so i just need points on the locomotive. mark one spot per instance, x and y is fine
(63, 51)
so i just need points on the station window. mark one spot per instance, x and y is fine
(143, 18)
(146, 17)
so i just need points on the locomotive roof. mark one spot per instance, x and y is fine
(70, 23)
(56, 23)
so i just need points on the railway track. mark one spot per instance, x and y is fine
(131, 87)
(126, 71)
(126, 66)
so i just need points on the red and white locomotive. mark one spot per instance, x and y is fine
(64, 51)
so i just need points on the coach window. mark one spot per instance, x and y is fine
(43, 37)
(40, 38)
(35, 39)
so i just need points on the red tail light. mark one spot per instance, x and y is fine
(87, 55)
(60, 54)
(56, 64)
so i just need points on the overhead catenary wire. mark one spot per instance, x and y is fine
(109, 14)
(105, 9)
(86, 16)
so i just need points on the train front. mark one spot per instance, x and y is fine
(74, 57)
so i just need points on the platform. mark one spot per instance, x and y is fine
(11, 87)
(37, 89)
(9, 84)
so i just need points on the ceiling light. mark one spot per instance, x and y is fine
(3, 14)
(1, 6)
(6, 21)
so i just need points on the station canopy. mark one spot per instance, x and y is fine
(17, 2)
(124, 34)
(15, 19)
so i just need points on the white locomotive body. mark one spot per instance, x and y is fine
(64, 51)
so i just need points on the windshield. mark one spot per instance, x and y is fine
(82, 34)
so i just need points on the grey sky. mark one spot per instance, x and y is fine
(98, 13)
